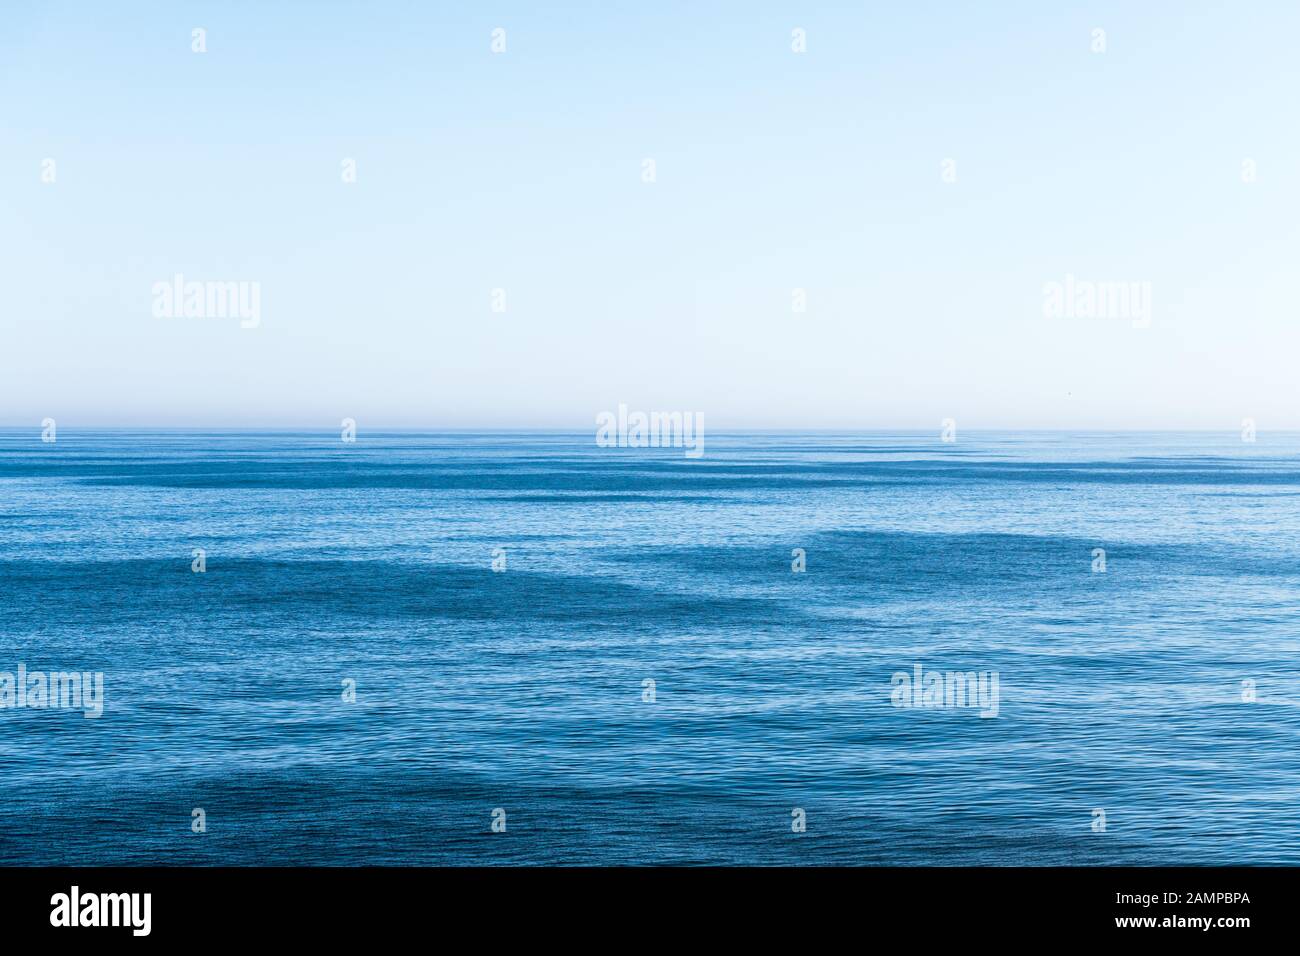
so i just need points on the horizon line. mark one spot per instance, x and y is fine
(568, 430)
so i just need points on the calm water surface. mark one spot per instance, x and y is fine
(523, 690)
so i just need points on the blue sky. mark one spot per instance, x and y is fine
(775, 171)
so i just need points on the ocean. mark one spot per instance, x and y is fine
(499, 648)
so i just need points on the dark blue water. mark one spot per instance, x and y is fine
(523, 689)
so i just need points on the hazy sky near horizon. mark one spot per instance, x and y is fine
(774, 171)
